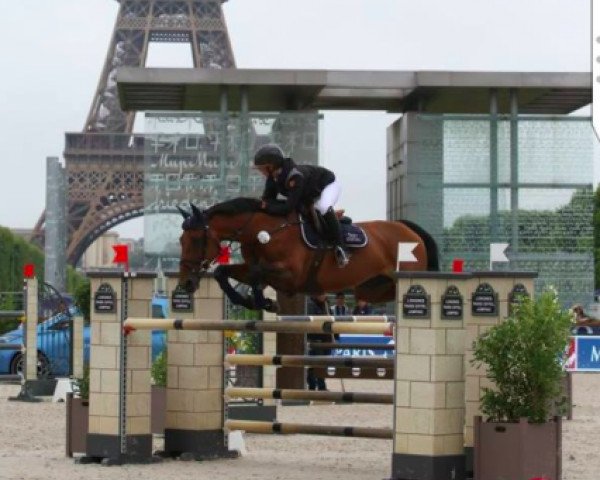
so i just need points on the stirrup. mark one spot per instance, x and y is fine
(341, 257)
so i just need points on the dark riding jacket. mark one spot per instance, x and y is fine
(300, 184)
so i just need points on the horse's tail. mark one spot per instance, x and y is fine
(433, 263)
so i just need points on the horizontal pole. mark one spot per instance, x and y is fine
(12, 313)
(10, 378)
(10, 346)
(250, 426)
(357, 346)
(343, 397)
(338, 318)
(321, 326)
(309, 360)
(356, 373)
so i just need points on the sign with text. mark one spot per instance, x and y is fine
(181, 301)
(484, 301)
(105, 299)
(583, 354)
(416, 303)
(516, 295)
(452, 304)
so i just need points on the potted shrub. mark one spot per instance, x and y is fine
(158, 399)
(77, 415)
(523, 357)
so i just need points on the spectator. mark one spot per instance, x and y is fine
(340, 307)
(317, 306)
(362, 308)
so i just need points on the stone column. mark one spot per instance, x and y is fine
(119, 422)
(429, 378)
(31, 323)
(477, 322)
(77, 349)
(194, 418)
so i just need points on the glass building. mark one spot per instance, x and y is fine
(206, 158)
(525, 180)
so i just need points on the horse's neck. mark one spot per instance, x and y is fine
(244, 227)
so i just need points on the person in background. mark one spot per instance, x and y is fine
(362, 307)
(317, 306)
(340, 307)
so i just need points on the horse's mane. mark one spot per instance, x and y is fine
(234, 206)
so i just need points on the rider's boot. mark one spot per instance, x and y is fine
(336, 236)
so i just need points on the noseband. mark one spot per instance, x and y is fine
(196, 268)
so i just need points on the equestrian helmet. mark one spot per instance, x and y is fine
(269, 154)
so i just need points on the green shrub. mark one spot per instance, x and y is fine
(82, 297)
(83, 384)
(159, 369)
(523, 358)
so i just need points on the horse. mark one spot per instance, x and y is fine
(275, 255)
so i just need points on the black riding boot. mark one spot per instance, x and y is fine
(336, 236)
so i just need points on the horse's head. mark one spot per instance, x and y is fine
(199, 247)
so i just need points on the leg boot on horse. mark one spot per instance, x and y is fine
(336, 237)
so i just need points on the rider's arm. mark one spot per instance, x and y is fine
(270, 192)
(295, 188)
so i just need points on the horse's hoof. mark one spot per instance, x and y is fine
(271, 306)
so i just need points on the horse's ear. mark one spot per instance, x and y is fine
(184, 214)
(196, 211)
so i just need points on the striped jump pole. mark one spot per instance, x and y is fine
(279, 394)
(338, 318)
(310, 360)
(298, 428)
(357, 346)
(316, 326)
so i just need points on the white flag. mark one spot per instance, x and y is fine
(405, 250)
(497, 253)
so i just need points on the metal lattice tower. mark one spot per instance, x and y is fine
(104, 164)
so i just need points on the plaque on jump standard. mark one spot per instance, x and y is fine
(452, 304)
(484, 301)
(416, 303)
(181, 301)
(105, 299)
(516, 295)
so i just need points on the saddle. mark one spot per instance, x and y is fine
(354, 236)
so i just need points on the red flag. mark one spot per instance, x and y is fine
(224, 255)
(121, 254)
(29, 270)
(457, 265)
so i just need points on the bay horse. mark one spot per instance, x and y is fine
(275, 255)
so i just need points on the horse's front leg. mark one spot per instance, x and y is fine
(257, 278)
(239, 272)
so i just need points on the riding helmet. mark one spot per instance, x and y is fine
(269, 154)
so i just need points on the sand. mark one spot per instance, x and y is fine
(32, 444)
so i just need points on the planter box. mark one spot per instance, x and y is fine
(158, 409)
(517, 450)
(77, 425)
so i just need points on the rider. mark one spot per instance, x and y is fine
(302, 185)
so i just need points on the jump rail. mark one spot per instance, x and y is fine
(292, 428)
(343, 397)
(358, 346)
(315, 326)
(339, 318)
(310, 360)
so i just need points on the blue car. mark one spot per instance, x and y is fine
(53, 344)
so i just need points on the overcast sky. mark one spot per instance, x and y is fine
(52, 53)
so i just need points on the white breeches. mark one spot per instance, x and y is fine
(329, 196)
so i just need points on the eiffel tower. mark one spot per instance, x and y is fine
(104, 164)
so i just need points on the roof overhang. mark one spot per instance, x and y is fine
(171, 89)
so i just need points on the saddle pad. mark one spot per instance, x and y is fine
(354, 236)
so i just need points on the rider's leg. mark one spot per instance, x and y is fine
(337, 237)
(325, 204)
